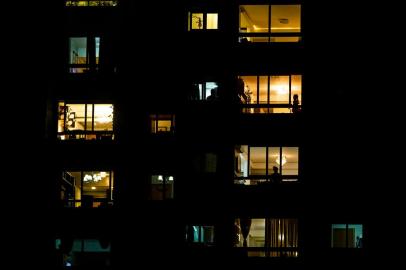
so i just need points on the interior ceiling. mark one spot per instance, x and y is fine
(258, 15)
(257, 154)
(103, 182)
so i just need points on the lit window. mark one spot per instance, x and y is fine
(91, 3)
(346, 236)
(162, 123)
(202, 21)
(204, 91)
(87, 189)
(267, 237)
(262, 165)
(83, 54)
(270, 94)
(270, 23)
(85, 121)
(199, 234)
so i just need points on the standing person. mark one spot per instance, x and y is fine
(275, 177)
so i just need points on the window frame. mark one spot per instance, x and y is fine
(84, 134)
(205, 13)
(254, 107)
(346, 236)
(267, 176)
(78, 203)
(163, 186)
(269, 34)
(92, 64)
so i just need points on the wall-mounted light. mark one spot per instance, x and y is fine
(278, 160)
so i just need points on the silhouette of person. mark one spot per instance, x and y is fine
(212, 94)
(295, 105)
(359, 243)
(275, 177)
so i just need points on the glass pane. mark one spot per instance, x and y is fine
(241, 161)
(256, 236)
(263, 89)
(97, 49)
(257, 160)
(197, 20)
(285, 39)
(254, 18)
(75, 117)
(103, 117)
(285, 19)
(154, 122)
(355, 237)
(211, 90)
(296, 89)
(93, 245)
(169, 183)
(164, 125)
(61, 118)
(338, 235)
(157, 187)
(96, 188)
(282, 233)
(210, 163)
(89, 117)
(250, 88)
(290, 160)
(274, 160)
(70, 182)
(76, 188)
(77, 50)
(207, 234)
(279, 90)
(212, 21)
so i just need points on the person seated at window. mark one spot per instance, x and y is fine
(213, 95)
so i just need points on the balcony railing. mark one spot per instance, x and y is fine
(269, 108)
(263, 180)
(91, 3)
(94, 203)
(86, 135)
(273, 252)
(246, 38)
